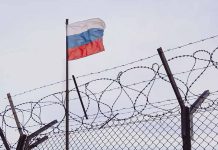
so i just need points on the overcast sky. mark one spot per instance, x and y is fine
(32, 35)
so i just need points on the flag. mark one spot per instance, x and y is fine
(85, 38)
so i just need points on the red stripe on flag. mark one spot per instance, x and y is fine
(86, 50)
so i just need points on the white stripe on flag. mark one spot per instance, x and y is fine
(82, 26)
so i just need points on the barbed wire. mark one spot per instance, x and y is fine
(136, 94)
(118, 99)
(119, 66)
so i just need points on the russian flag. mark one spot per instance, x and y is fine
(85, 38)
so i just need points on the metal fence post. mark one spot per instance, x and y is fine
(185, 118)
(194, 108)
(15, 114)
(4, 140)
(186, 136)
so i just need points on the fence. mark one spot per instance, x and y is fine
(133, 110)
(144, 132)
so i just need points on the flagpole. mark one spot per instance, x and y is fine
(67, 93)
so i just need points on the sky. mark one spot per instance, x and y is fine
(32, 41)
(32, 36)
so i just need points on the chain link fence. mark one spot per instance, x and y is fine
(132, 110)
(143, 133)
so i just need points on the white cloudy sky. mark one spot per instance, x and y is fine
(32, 35)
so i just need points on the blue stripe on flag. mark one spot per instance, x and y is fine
(84, 37)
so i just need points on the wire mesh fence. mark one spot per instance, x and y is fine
(131, 108)
(143, 133)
